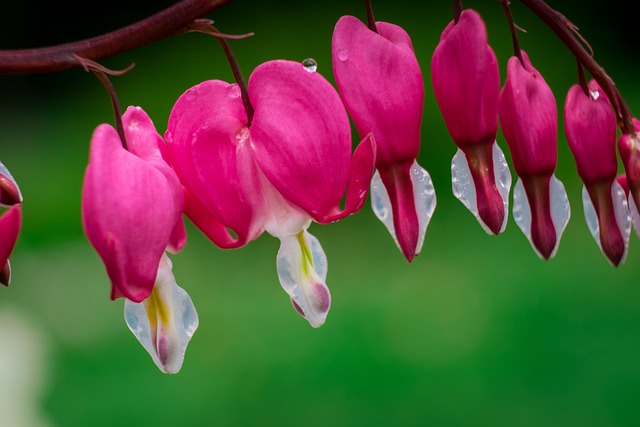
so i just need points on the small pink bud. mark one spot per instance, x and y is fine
(10, 224)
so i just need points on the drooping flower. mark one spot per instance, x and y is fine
(528, 118)
(381, 84)
(633, 210)
(131, 211)
(466, 85)
(10, 221)
(629, 148)
(290, 166)
(590, 127)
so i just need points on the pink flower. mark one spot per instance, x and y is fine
(466, 84)
(381, 84)
(590, 127)
(131, 203)
(10, 221)
(629, 148)
(290, 166)
(528, 117)
(131, 211)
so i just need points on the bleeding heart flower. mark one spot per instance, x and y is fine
(466, 85)
(10, 221)
(590, 127)
(290, 166)
(528, 117)
(131, 211)
(380, 82)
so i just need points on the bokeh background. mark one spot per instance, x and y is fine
(477, 331)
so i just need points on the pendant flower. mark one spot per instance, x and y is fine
(381, 84)
(131, 211)
(590, 127)
(466, 85)
(629, 148)
(528, 117)
(290, 166)
(10, 221)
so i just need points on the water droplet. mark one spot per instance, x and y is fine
(594, 94)
(343, 54)
(310, 65)
(242, 134)
(190, 94)
(233, 91)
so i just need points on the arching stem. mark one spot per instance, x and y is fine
(371, 20)
(517, 52)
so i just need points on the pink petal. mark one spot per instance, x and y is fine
(528, 117)
(178, 238)
(466, 81)
(381, 84)
(208, 145)
(301, 136)
(10, 224)
(590, 127)
(129, 209)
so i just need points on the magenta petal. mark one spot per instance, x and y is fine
(208, 138)
(10, 223)
(380, 81)
(301, 135)
(590, 127)
(466, 81)
(178, 238)
(360, 173)
(528, 117)
(128, 211)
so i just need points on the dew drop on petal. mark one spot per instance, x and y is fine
(343, 54)
(594, 94)
(310, 65)
(424, 195)
(522, 210)
(233, 91)
(560, 209)
(381, 205)
(190, 94)
(623, 217)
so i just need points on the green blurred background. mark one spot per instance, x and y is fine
(475, 331)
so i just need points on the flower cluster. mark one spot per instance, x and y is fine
(276, 155)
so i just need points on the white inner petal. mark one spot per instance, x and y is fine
(560, 211)
(424, 196)
(464, 188)
(621, 211)
(302, 271)
(165, 322)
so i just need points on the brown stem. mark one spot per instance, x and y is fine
(582, 80)
(457, 10)
(62, 57)
(371, 20)
(237, 74)
(566, 31)
(512, 27)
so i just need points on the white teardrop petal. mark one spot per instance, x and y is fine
(464, 188)
(424, 199)
(302, 270)
(165, 322)
(560, 211)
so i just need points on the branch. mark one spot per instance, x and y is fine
(64, 56)
(566, 31)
